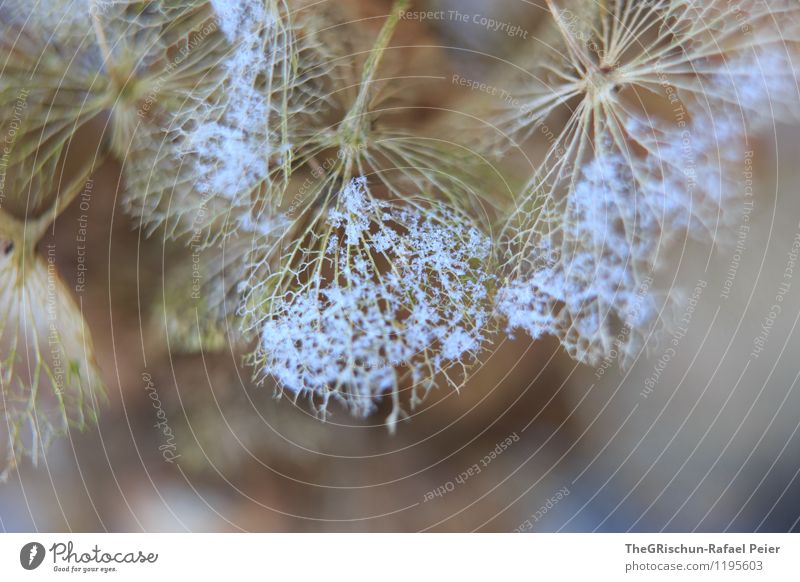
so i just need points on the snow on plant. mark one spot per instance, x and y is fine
(248, 129)
(235, 139)
(387, 293)
(658, 99)
(221, 159)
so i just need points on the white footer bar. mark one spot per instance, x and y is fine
(390, 557)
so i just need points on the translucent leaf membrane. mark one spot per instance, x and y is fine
(161, 192)
(202, 299)
(589, 277)
(136, 36)
(220, 158)
(356, 138)
(377, 296)
(645, 109)
(49, 379)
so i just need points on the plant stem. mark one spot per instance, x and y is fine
(352, 128)
(569, 37)
(64, 198)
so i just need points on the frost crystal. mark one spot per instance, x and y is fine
(232, 140)
(221, 155)
(762, 82)
(587, 286)
(393, 292)
(660, 97)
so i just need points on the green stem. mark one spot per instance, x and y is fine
(352, 129)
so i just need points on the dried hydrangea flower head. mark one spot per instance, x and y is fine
(209, 176)
(658, 98)
(241, 136)
(44, 99)
(247, 156)
(49, 381)
(383, 292)
(123, 59)
(220, 159)
(202, 295)
(357, 136)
